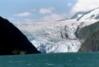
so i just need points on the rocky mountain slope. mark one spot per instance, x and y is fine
(91, 44)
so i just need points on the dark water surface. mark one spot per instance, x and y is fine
(51, 60)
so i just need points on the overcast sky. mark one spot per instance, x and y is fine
(34, 10)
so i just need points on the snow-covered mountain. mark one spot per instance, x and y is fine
(61, 36)
(91, 15)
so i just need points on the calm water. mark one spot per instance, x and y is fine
(51, 60)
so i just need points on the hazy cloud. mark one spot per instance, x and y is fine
(53, 17)
(23, 14)
(69, 4)
(42, 14)
(85, 5)
(46, 10)
(50, 14)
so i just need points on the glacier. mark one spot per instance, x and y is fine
(52, 37)
(60, 36)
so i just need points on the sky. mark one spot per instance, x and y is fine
(43, 10)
